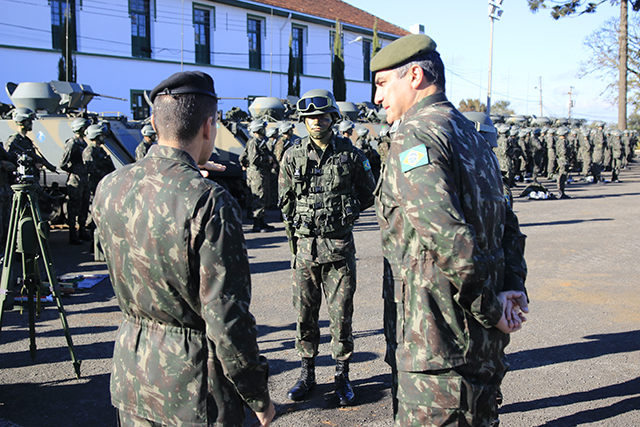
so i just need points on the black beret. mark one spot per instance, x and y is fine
(402, 51)
(183, 83)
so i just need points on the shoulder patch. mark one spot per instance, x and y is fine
(414, 157)
(367, 165)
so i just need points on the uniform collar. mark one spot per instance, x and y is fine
(170, 153)
(425, 102)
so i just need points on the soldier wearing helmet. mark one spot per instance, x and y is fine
(324, 184)
(77, 182)
(345, 127)
(384, 142)
(364, 143)
(148, 139)
(96, 159)
(286, 140)
(20, 143)
(563, 153)
(258, 161)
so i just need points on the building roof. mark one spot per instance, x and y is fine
(332, 9)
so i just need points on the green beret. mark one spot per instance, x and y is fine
(401, 51)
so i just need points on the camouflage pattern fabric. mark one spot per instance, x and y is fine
(258, 160)
(186, 351)
(551, 154)
(584, 153)
(443, 216)
(18, 144)
(98, 164)
(383, 148)
(142, 149)
(321, 196)
(538, 155)
(563, 153)
(77, 181)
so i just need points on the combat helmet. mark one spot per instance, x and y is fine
(562, 131)
(362, 131)
(345, 125)
(94, 131)
(148, 130)
(484, 125)
(256, 125)
(21, 114)
(79, 124)
(316, 102)
(285, 127)
(271, 132)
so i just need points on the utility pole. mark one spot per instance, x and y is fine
(494, 13)
(570, 100)
(540, 86)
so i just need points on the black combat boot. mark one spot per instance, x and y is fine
(265, 227)
(257, 225)
(83, 234)
(307, 380)
(344, 391)
(73, 236)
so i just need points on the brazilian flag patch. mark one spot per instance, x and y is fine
(413, 158)
(367, 165)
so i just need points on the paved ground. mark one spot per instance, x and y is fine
(576, 363)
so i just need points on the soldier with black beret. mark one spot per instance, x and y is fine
(186, 350)
(454, 269)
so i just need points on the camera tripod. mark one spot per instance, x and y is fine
(28, 235)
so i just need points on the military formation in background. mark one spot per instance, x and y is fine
(561, 150)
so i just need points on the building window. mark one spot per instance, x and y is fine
(140, 110)
(140, 13)
(366, 58)
(61, 34)
(297, 46)
(202, 25)
(254, 34)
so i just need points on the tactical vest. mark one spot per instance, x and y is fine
(325, 204)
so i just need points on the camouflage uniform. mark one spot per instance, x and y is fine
(98, 164)
(538, 156)
(186, 351)
(598, 142)
(446, 242)
(563, 155)
(77, 182)
(321, 196)
(617, 154)
(551, 153)
(142, 149)
(584, 153)
(259, 161)
(383, 148)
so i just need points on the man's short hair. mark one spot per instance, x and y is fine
(431, 64)
(179, 117)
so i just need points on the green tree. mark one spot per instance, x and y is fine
(472, 105)
(337, 66)
(375, 46)
(501, 108)
(563, 8)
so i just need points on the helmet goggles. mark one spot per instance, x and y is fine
(317, 102)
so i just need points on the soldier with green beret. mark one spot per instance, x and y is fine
(454, 269)
(186, 352)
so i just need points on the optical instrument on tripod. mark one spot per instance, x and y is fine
(28, 236)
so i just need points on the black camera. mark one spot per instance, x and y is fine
(25, 172)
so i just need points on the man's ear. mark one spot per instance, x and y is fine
(207, 128)
(153, 123)
(417, 76)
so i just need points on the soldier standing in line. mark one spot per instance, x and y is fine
(186, 351)
(549, 138)
(537, 153)
(148, 139)
(364, 144)
(77, 182)
(450, 301)
(562, 158)
(606, 163)
(97, 161)
(345, 127)
(272, 135)
(325, 182)
(585, 151)
(285, 141)
(258, 161)
(617, 154)
(384, 142)
(598, 142)
(626, 144)
(503, 154)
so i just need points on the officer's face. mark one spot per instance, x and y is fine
(319, 125)
(393, 93)
(27, 125)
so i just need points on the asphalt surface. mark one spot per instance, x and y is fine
(575, 363)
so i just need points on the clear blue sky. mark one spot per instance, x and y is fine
(526, 47)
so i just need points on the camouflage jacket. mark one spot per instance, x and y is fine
(178, 264)
(322, 195)
(98, 163)
(442, 214)
(72, 162)
(257, 156)
(18, 144)
(142, 149)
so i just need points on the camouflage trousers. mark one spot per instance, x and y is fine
(258, 182)
(78, 205)
(337, 280)
(452, 397)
